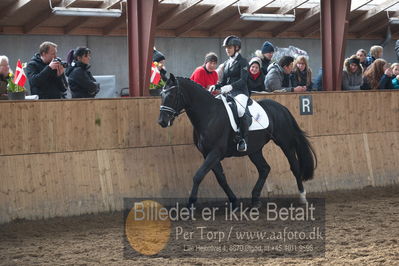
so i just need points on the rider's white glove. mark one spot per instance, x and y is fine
(226, 89)
(211, 88)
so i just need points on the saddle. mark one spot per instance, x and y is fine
(256, 115)
(233, 105)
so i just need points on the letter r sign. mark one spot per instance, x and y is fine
(306, 105)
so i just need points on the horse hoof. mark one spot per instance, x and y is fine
(303, 200)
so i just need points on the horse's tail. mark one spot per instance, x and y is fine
(305, 153)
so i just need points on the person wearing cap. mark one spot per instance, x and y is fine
(352, 75)
(234, 81)
(265, 54)
(256, 77)
(206, 74)
(81, 81)
(159, 58)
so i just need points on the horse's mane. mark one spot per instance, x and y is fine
(192, 84)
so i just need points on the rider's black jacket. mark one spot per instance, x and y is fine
(236, 75)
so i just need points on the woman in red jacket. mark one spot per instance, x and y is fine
(206, 74)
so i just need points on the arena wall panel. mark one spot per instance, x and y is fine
(63, 158)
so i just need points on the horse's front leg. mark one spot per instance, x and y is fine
(210, 161)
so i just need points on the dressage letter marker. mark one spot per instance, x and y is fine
(306, 105)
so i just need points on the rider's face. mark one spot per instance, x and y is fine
(230, 50)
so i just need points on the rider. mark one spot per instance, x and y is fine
(235, 78)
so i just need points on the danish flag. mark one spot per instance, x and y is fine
(20, 77)
(155, 75)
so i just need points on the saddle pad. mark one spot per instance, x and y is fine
(260, 120)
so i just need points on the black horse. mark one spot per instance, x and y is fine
(215, 138)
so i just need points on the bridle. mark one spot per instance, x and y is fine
(176, 103)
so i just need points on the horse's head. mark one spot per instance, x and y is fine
(172, 102)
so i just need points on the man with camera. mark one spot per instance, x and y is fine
(45, 73)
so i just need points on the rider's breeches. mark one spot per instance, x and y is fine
(241, 101)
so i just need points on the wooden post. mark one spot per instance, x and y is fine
(334, 21)
(141, 31)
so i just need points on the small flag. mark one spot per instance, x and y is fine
(155, 75)
(19, 77)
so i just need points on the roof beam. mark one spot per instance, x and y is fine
(282, 10)
(371, 13)
(291, 6)
(356, 4)
(376, 26)
(178, 11)
(313, 12)
(11, 9)
(250, 9)
(215, 10)
(312, 29)
(38, 19)
(81, 20)
(66, 3)
(114, 25)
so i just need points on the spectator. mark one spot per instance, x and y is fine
(265, 54)
(46, 73)
(318, 82)
(158, 57)
(378, 76)
(395, 71)
(81, 81)
(256, 79)
(275, 76)
(376, 52)
(4, 76)
(234, 80)
(302, 73)
(397, 49)
(206, 74)
(352, 78)
(362, 54)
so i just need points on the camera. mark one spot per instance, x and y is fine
(63, 63)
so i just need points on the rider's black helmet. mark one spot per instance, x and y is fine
(232, 40)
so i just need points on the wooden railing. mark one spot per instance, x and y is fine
(61, 158)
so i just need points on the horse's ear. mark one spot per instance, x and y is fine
(172, 77)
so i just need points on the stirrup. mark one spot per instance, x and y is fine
(245, 146)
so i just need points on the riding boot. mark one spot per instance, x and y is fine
(242, 144)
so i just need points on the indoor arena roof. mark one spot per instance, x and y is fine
(199, 18)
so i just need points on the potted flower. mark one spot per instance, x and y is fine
(15, 86)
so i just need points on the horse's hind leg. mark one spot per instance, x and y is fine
(295, 168)
(221, 178)
(263, 169)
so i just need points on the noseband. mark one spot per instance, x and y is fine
(170, 109)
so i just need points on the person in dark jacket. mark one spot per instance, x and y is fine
(302, 74)
(352, 75)
(81, 81)
(397, 49)
(378, 76)
(159, 57)
(376, 51)
(275, 79)
(234, 80)
(256, 77)
(266, 55)
(46, 74)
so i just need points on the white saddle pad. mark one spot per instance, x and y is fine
(260, 120)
